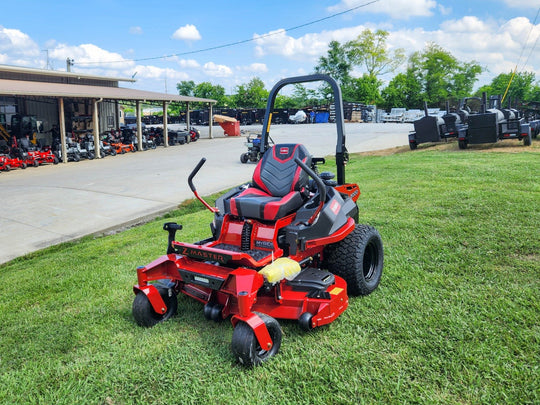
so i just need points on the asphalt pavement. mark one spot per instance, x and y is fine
(51, 204)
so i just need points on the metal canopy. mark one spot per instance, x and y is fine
(44, 89)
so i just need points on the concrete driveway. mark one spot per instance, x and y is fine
(52, 204)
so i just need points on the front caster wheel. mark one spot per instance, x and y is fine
(245, 346)
(144, 313)
(306, 321)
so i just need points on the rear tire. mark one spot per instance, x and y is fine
(527, 141)
(244, 157)
(358, 259)
(462, 144)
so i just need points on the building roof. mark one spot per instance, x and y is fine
(41, 89)
(18, 81)
(57, 73)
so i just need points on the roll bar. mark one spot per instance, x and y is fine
(341, 151)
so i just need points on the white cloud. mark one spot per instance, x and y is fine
(212, 69)
(189, 64)
(135, 30)
(497, 47)
(398, 9)
(521, 3)
(89, 54)
(308, 47)
(154, 72)
(254, 68)
(18, 47)
(187, 33)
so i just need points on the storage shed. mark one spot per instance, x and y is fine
(75, 102)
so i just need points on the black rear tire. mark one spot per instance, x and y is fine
(244, 157)
(245, 346)
(527, 140)
(144, 313)
(462, 144)
(358, 259)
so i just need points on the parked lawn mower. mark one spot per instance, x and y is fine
(194, 133)
(26, 157)
(286, 245)
(155, 135)
(253, 144)
(146, 142)
(113, 139)
(178, 137)
(44, 155)
(7, 163)
(35, 155)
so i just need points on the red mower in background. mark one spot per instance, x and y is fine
(43, 156)
(7, 163)
(284, 246)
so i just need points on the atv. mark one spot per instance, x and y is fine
(284, 246)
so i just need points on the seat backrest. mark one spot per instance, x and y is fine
(278, 174)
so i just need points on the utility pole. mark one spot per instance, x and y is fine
(48, 65)
(69, 63)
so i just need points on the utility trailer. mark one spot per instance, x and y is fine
(494, 124)
(431, 128)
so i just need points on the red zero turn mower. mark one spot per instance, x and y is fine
(286, 245)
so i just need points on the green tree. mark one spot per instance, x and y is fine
(208, 90)
(402, 91)
(370, 51)
(365, 89)
(336, 63)
(441, 75)
(521, 87)
(283, 101)
(186, 87)
(251, 95)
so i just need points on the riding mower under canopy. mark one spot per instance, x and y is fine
(284, 246)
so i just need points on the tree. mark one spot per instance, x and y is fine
(403, 91)
(521, 87)
(441, 75)
(186, 87)
(370, 51)
(251, 95)
(364, 89)
(336, 63)
(208, 90)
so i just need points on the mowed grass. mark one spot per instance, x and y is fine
(455, 320)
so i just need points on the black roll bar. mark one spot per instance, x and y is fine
(341, 151)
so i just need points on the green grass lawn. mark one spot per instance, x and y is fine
(455, 320)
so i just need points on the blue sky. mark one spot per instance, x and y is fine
(135, 36)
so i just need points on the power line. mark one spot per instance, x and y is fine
(520, 56)
(535, 42)
(237, 42)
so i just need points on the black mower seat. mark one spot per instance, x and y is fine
(278, 186)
